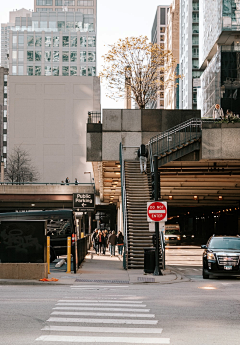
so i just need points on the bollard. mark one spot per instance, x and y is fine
(69, 244)
(82, 234)
(48, 253)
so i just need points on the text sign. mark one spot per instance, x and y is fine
(157, 211)
(83, 201)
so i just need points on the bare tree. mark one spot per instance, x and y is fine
(141, 66)
(20, 168)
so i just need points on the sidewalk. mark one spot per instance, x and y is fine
(100, 269)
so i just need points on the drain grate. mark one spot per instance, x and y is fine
(146, 280)
(102, 281)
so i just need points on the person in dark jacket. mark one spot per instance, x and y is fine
(143, 154)
(99, 242)
(112, 241)
(120, 242)
(104, 241)
(94, 240)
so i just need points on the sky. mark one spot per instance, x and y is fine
(115, 19)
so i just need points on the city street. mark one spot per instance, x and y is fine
(186, 311)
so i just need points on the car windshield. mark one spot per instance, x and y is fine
(225, 243)
(172, 232)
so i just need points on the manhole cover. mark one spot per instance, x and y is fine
(102, 281)
(146, 280)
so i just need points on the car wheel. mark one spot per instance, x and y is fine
(52, 255)
(205, 274)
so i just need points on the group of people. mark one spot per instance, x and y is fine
(102, 240)
(67, 181)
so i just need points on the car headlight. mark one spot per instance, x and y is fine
(184, 235)
(211, 256)
(179, 238)
(192, 236)
(167, 238)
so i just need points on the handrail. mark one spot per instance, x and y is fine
(163, 248)
(124, 207)
(174, 138)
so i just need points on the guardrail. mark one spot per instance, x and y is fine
(83, 245)
(124, 207)
(94, 117)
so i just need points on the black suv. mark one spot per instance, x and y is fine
(221, 256)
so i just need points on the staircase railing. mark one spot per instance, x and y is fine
(124, 207)
(174, 138)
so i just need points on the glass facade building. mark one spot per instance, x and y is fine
(54, 43)
(220, 56)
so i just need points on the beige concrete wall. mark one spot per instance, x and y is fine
(221, 143)
(23, 271)
(47, 117)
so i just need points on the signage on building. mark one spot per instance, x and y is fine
(157, 211)
(197, 83)
(83, 201)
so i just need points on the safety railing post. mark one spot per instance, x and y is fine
(48, 253)
(69, 245)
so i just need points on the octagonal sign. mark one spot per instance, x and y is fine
(157, 211)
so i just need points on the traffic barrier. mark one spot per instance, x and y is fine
(48, 253)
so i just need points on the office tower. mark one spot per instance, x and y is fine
(5, 29)
(158, 37)
(189, 53)
(171, 93)
(220, 56)
(3, 113)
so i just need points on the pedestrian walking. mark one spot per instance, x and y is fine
(94, 240)
(112, 241)
(143, 154)
(67, 180)
(100, 241)
(104, 242)
(76, 181)
(120, 242)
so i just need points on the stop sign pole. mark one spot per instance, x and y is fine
(157, 271)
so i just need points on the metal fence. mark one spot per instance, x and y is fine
(83, 245)
(94, 117)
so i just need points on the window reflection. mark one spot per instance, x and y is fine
(29, 55)
(38, 56)
(38, 41)
(65, 41)
(29, 70)
(55, 41)
(73, 56)
(48, 70)
(91, 71)
(83, 41)
(56, 56)
(83, 71)
(61, 26)
(92, 41)
(91, 56)
(74, 41)
(65, 70)
(48, 41)
(83, 56)
(65, 56)
(47, 56)
(55, 70)
(38, 70)
(30, 41)
(73, 70)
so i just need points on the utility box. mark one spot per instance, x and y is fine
(149, 260)
(23, 241)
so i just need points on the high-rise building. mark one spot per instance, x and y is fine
(3, 113)
(85, 7)
(158, 37)
(219, 56)
(189, 53)
(5, 29)
(171, 93)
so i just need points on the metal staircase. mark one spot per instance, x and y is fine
(137, 196)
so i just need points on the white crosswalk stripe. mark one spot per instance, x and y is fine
(101, 320)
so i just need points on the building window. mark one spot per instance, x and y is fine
(69, 26)
(20, 70)
(92, 41)
(48, 70)
(38, 55)
(73, 56)
(83, 56)
(20, 56)
(14, 40)
(55, 41)
(91, 71)
(55, 70)
(161, 37)
(30, 41)
(61, 26)
(56, 56)
(91, 56)
(4, 113)
(43, 25)
(48, 40)
(29, 55)
(65, 41)
(20, 40)
(44, 2)
(5, 78)
(85, 3)
(162, 30)
(58, 2)
(38, 41)
(74, 41)
(65, 70)
(47, 56)
(65, 56)
(4, 125)
(83, 71)
(83, 41)
(14, 55)
(73, 70)
(29, 70)
(38, 70)
(162, 16)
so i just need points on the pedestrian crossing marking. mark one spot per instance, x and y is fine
(85, 313)
(102, 304)
(112, 321)
(99, 301)
(102, 309)
(103, 329)
(118, 340)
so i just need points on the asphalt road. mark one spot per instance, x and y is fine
(191, 312)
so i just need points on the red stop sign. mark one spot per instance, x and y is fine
(157, 211)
